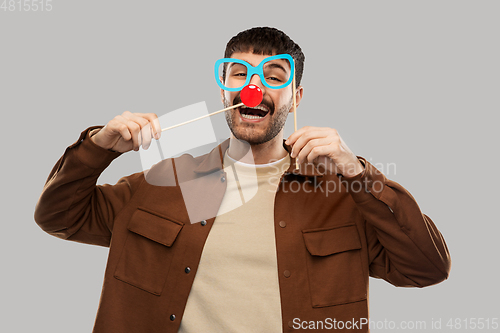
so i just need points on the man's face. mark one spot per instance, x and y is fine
(264, 122)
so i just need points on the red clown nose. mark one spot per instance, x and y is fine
(251, 95)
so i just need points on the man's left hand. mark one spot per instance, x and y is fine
(323, 145)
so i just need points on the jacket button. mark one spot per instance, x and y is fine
(223, 179)
(204, 223)
(290, 324)
(187, 270)
(172, 317)
(287, 273)
(282, 224)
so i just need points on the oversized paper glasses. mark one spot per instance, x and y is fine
(275, 72)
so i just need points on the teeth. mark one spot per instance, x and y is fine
(258, 107)
(247, 116)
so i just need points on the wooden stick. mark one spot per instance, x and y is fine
(294, 92)
(207, 115)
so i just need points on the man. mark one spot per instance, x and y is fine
(294, 254)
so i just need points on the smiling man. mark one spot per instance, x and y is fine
(292, 229)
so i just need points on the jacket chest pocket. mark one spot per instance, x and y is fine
(147, 253)
(334, 266)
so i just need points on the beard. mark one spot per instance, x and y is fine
(246, 131)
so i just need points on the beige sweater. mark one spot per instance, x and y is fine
(236, 287)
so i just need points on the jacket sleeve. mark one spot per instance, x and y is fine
(72, 206)
(405, 248)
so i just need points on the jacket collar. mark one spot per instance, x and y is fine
(213, 161)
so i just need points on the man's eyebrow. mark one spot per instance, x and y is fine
(231, 64)
(275, 65)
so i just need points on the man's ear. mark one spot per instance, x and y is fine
(222, 91)
(299, 92)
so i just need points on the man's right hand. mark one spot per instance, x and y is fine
(128, 131)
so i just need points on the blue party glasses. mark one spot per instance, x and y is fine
(275, 72)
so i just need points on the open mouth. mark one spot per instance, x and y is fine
(255, 113)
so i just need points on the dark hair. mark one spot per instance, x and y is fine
(266, 41)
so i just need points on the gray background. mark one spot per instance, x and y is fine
(412, 83)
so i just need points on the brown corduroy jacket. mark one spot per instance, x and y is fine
(332, 233)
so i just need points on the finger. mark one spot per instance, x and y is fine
(137, 117)
(310, 151)
(134, 129)
(302, 140)
(127, 129)
(140, 134)
(319, 151)
(146, 134)
(149, 131)
(295, 135)
(154, 122)
(118, 126)
(157, 127)
(298, 133)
